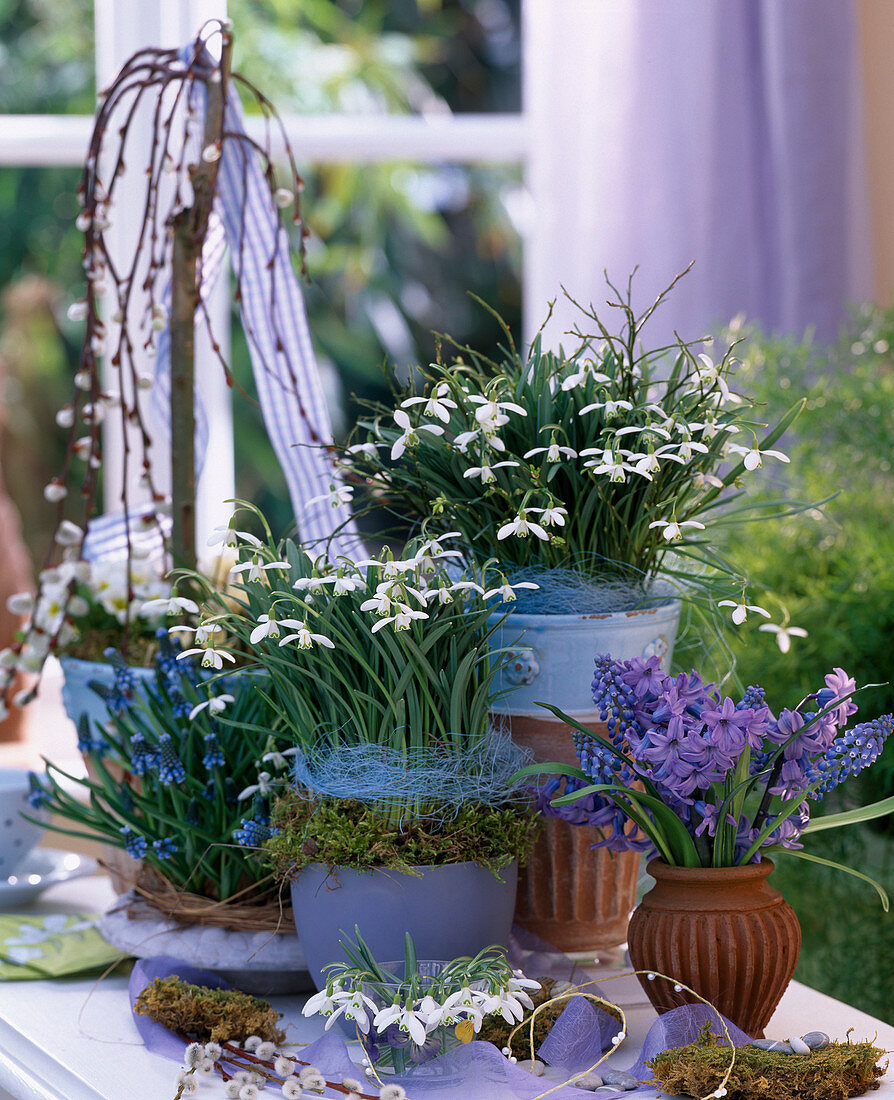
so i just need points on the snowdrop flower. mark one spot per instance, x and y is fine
(229, 536)
(685, 449)
(211, 658)
(304, 636)
(172, 605)
(204, 632)
(673, 529)
(740, 610)
(268, 627)
(709, 375)
(342, 583)
(707, 481)
(612, 408)
(551, 517)
(553, 452)
(410, 435)
(608, 462)
(784, 634)
(506, 591)
(406, 1018)
(439, 404)
(485, 472)
(369, 449)
(521, 527)
(651, 429)
(401, 619)
(752, 456)
(215, 705)
(465, 439)
(263, 786)
(336, 497)
(492, 414)
(256, 569)
(579, 378)
(507, 1004)
(710, 428)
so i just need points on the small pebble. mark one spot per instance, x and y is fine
(816, 1040)
(620, 1078)
(798, 1045)
(589, 1081)
(535, 1067)
(561, 987)
(772, 1044)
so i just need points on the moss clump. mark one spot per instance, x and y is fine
(350, 834)
(838, 1071)
(496, 1030)
(206, 1015)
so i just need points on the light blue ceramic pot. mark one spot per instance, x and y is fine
(552, 655)
(79, 698)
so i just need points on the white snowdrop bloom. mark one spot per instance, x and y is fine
(740, 610)
(438, 404)
(491, 414)
(268, 627)
(506, 591)
(169, 605)
(686, 448)
(554, 452)
(69, 534)
(784, 634)
(291, 1089)
(410, 436)
(229, 536)
(586, 370)
(263, 786)
(644, 429)
(370, 449)
(204, 632)
(402, 618)
(612, 408)
(752, 456)
(465, 439)
(303, 636)
(506, 1004)
(406, 1018)
(673, 529)
(710, 375)
(256, 569)
(521, 527)
(551, 517)
(607, 462)
(486, 472)
(707, 481)
(710, 428)
(217, 704)
(336, 497)
(211, 658)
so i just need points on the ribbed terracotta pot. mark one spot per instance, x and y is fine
(576, 898)
(724, 931)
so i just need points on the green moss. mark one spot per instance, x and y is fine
(838, 1071)
(218, 1015)
(496, 1030)
(351, 834)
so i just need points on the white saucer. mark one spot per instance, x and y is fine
(42, 868)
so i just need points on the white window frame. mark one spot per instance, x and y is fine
(123, 27)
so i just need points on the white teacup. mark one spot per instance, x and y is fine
(17, 836)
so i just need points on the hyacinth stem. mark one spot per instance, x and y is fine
(190, 228)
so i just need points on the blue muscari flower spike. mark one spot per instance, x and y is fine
(170, 766)
(165, 847)
(254, 832)
(142, 758)
(180, 708)
(134, 844)
(851, 752)
(214, 757)
(37, 796)
(166, 660)
(613, 697)
(126, 682)
(754, 697)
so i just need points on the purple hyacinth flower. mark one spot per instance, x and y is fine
(645, 677)
(726, 729)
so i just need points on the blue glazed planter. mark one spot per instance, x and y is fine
(79, 698)
(552, 655)
(450, 911)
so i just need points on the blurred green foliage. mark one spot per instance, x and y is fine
(833, 566)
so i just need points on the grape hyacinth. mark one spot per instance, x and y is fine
(735, 776)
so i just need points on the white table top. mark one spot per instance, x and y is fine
(75, 1039)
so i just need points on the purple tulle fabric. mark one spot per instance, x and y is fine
(575, 1043)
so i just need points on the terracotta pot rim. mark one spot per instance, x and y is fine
(667, 872)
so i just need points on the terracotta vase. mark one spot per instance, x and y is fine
(724, 931)
(576, 898)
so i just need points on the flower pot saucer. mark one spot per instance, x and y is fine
(40, 869)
